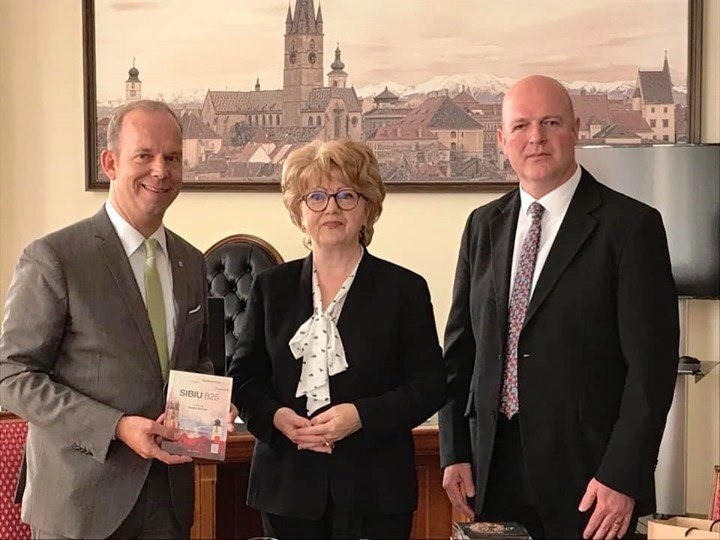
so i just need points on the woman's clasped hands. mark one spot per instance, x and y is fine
(320, 433)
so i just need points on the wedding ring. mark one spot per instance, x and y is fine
(618, 522)
(327, 444)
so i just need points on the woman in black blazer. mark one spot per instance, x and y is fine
(337, 361)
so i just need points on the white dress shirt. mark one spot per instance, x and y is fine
(132, 242)
(556, 204)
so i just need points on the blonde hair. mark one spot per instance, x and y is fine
(306, 167)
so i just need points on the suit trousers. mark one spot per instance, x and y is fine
(338, 523)
(152, 516)
(509, 497)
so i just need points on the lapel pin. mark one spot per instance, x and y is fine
(180, 264)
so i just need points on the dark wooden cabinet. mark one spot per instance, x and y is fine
(220, 488)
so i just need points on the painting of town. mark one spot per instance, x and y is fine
(420, 81)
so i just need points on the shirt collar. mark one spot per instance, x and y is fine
(130, 238)
(557, 201)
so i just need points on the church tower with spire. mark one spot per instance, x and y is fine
(133, 85)
(303, 63)
(337, 77)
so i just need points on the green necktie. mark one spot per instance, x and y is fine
(156, 304)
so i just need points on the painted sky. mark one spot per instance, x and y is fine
(187, 46)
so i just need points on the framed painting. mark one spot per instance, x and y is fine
(422, 84)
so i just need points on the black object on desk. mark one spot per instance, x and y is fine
(486, 530)
(688, 364)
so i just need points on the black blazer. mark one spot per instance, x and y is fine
(598, 351)
(396, 379)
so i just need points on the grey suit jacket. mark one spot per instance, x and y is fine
(76, 353)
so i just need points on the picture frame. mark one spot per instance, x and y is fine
(714, 509)
(237, 149)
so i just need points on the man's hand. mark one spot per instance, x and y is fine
(458, 484)
(329, 427)
(232, 415)
(612, 514)
(143, 435)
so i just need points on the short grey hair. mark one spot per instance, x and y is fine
(113, 129)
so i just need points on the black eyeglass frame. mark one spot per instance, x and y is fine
(333, 196)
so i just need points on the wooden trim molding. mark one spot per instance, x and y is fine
(695, 67)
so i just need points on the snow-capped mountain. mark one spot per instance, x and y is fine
(592, 87)
(487, 87)
(373, 90)
(481, 83)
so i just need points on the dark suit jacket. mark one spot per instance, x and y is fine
(395, 379)
(76, 353)
(598, 351)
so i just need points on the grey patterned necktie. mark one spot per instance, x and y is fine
(519, 300)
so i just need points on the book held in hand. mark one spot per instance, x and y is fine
(487, 530)
(198, 405)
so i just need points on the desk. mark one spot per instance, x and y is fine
(220, 488)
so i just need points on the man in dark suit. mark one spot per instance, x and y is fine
(561, 344)
(96, 315)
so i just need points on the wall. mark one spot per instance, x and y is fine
(42, 178)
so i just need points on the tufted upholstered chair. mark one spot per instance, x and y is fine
(232, 264)
(13, 431)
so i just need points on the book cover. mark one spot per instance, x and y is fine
(198, 405)
(487, 530)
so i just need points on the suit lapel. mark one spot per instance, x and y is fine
(574, 230)
(180, 291)
(118, 265)
(304, 302)
(357, 297)
(502, 240)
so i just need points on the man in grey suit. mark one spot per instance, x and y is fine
(96, 315)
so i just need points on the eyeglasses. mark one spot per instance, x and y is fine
(345, 199)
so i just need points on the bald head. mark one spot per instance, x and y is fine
(539, 132)
(538, 86)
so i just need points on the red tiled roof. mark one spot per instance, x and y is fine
(587, 106)
(320, 97)
(631, 120)
(229, 102)
(615, 131)
(465, 100)
(440, 113)
(386, 95)
(655, 87)
(194, 128)
(398, 131)
(282, 133)
(388, 111)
